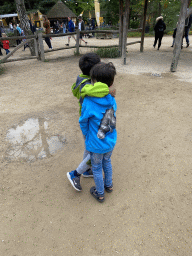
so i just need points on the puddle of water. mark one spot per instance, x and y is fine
(156, 74)
(31, 141)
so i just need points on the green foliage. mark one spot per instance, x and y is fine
(7, 6)
(45, 6)
(111, 52)
(111, 11)
(78, 7)
(138, 34)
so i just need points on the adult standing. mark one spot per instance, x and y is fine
(81, 28)
(71, 28)
(64, 28)
(17, 32)
(32, 26)
(11, 27)
(159, 31)
(46, 25)
(188, 22)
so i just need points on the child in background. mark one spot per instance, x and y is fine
(98, 125)
(80, 89)
(5, 44)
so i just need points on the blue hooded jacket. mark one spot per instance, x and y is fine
(92, 116)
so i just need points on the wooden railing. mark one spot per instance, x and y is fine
(39, 47)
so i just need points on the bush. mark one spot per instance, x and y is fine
(112, 52)
(138, 34)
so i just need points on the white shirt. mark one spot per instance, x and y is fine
(80, 26)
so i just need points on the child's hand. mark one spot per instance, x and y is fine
(112, 91)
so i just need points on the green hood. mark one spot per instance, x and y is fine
(98, 90)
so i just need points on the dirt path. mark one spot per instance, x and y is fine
(149, 212)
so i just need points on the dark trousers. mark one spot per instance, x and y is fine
(158, 37)
(18, 41)
(48, 42)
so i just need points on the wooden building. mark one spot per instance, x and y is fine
(60, 12)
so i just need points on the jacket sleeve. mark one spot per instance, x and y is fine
(84, 118)
(164, 26)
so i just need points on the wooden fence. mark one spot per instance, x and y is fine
(39, 47)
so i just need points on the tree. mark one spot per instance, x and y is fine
(184, 13)
(24, 22)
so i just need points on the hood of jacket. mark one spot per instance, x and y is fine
(97, 90)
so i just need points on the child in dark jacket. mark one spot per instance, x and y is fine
(5, 44)
(80, 89)
(98, 125)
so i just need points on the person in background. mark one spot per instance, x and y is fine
(64, 28)
(5, 44)
(32, 26)
(159, 31)
(11, 27)
(81, 28)
(71, 28)
(188, 22)
(46, 25)
(17, 32)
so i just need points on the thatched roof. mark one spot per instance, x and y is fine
(60, 10)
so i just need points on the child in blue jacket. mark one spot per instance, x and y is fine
(98, 125)
(81, 89)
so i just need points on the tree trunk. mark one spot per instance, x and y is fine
(125, 30)
(179, 35)
(144, 22)
(120, 26)
(25, 23)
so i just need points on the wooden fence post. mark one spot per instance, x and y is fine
(41, 47)
(125, 30)
(120, 26)
(36, 45)
(77, 41)
(143, 30)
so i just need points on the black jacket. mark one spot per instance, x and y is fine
(159, 26)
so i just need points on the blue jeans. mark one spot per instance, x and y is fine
(99, 162)
(7, 51)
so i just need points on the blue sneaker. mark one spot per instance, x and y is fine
(88, 174)
(75, 180)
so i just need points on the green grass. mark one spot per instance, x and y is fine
(112, 52)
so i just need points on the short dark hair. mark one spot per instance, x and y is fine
(104, 72)
(87, 61)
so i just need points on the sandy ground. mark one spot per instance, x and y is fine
(150, 211)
